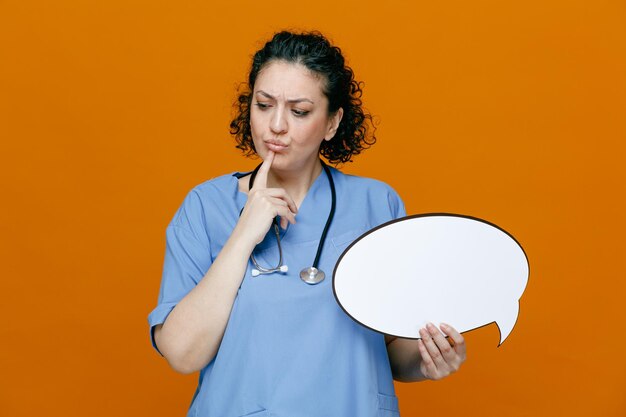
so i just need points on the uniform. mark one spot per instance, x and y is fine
(288, 350)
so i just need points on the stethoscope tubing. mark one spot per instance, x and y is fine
(283, 268)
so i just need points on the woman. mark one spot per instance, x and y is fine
(277, 343)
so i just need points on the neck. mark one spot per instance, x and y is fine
(296, 183)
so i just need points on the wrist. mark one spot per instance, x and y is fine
(241, 241)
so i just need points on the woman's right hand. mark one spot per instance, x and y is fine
(187, 339)
(264, 204)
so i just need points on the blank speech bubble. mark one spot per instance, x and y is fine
(438, 268)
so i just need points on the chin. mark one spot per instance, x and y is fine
(281, 161)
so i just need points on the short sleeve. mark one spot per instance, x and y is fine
(396, 205)
(187, 258)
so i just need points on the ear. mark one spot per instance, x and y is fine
(333, 124)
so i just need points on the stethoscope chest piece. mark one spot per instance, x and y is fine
(312, 275)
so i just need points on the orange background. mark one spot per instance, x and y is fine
(110, 111)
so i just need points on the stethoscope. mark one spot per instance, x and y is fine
(312, 274)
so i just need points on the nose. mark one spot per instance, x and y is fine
(278, 123)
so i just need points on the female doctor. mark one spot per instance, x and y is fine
(246, 295)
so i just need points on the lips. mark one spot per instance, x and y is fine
(275, 145)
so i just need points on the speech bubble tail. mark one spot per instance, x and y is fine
(507, 321)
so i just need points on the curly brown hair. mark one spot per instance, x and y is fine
(311, 49)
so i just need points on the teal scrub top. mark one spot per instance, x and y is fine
(288, 350)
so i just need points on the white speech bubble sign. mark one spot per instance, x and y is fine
(437, 268)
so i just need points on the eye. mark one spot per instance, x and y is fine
(299, 113)
(262, 106)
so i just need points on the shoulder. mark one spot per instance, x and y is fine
(223, 184)
(363, 184)
(373, 192)
(206, 197)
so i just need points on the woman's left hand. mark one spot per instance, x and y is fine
(440, 356)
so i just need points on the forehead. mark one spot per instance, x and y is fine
(289, 80)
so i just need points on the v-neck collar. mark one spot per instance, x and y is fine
(311, 217)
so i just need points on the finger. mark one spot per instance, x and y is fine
(432, 348)
(261, 176)
(459, 341)
(276, 201)
(272, 206)
(282, 209)
(282, 194)
(442, 343)
(427, 361)
(285, 213)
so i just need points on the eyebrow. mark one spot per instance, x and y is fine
(295, 100)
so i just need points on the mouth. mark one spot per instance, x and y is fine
(275, 145)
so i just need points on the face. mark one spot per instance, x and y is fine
(289, 115)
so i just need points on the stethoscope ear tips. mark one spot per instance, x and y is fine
(284, 268)
(256, 273)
